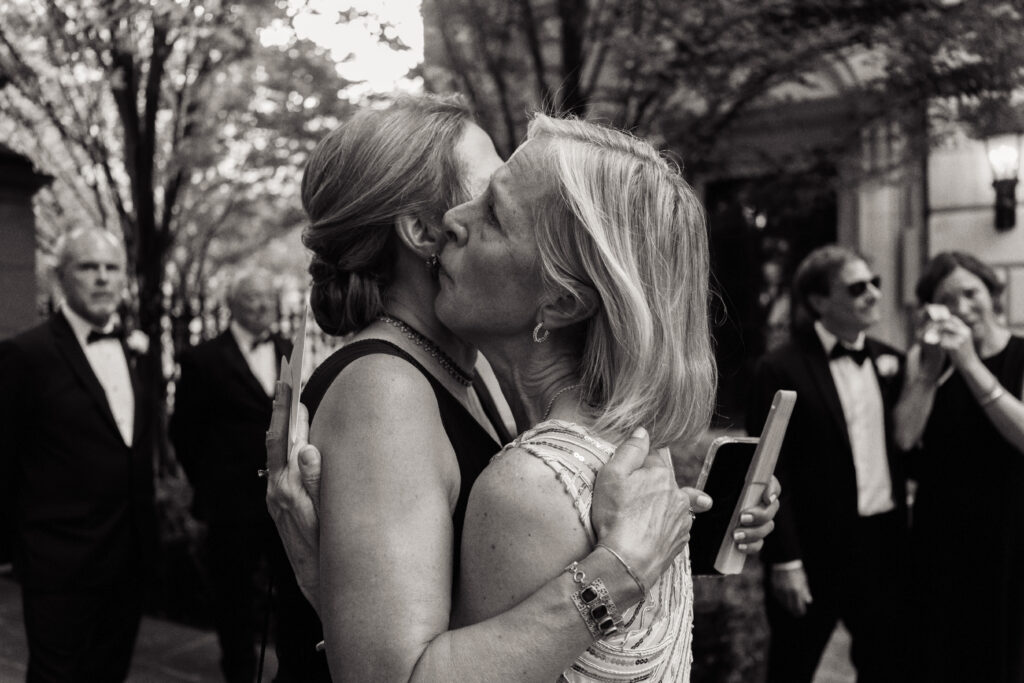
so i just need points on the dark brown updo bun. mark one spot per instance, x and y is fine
(375, 167)
(345, 295)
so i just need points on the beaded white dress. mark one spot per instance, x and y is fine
(655, 644)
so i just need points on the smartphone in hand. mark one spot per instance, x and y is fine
(725, 468)
(736, 473)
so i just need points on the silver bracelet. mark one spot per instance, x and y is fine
(595, 605)
(629, 570)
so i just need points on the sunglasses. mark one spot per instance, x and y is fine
(857, 289)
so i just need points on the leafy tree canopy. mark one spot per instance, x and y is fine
(684, 71)
(176, 123)
(168, 120)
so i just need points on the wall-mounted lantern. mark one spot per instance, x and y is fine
(1004, 160)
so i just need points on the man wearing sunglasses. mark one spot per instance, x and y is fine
(836, 550)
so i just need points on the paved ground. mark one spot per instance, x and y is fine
(171, 653)
(835, 663)
(166, 652)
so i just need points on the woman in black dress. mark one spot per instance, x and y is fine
(961, 405)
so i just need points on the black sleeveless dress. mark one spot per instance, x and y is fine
(968, 537)
(472, 444)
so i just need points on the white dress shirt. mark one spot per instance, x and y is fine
(261, 360)
(861, 400)
(106, 358)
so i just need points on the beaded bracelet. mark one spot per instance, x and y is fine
(594, 604)
(629, 570)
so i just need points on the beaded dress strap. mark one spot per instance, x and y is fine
(574, 456)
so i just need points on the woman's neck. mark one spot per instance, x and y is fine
(534, 379)
(993, 342)
(413, 304)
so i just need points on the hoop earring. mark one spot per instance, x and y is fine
(536, 333)
(433, 264)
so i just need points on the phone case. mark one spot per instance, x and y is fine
(730, 560)
(722, 476)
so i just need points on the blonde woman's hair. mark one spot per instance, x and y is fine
(626, 224)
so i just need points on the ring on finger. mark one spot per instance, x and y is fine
(263, 472)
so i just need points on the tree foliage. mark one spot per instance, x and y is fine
(168, 121)
(684, 71)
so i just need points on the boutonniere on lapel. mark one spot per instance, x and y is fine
(137, 342)
(887, 364)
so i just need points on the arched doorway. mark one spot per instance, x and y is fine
(760, 228)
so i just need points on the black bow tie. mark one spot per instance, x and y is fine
(259, 341)
(840, 350)
(97, 335)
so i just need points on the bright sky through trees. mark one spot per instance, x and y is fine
(355, 45)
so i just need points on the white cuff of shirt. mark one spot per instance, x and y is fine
(792, 565)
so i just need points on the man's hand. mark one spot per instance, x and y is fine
(293, 493)
(789, 586)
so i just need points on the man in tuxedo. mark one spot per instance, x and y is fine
(77, 476)
(222, 411)
(837, 546)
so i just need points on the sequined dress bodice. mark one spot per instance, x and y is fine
(655, 644)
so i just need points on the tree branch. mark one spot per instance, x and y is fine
(495, 69)
(529, 27)
(573, 15)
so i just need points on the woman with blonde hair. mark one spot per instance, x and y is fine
(391, 487)
(604, 327)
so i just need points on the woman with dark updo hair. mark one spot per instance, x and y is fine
(400, 167)
(961, 404)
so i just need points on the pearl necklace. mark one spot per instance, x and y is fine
(425, 343)
(551, 403)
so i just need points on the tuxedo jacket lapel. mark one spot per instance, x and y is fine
(133, 374)
(67, 343)
(817, 365)
(239, 366)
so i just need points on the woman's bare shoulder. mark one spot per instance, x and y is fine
(521, 530)
(378, 384)
(517, 485)
(386, 407)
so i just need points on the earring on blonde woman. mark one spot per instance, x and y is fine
(536, 333)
